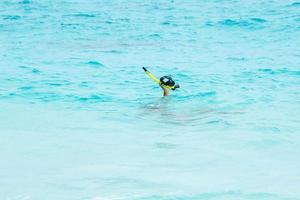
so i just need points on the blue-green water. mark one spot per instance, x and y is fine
(79, 119)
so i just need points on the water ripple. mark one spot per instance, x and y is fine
(252, 23)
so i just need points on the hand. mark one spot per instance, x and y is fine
(175, 87)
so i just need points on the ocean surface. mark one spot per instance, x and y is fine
(80, 120)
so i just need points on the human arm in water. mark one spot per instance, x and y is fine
(165, 89)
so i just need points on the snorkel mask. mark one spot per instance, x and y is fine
(165, 81)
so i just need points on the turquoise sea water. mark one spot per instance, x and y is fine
(79, 119)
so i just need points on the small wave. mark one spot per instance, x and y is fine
(24, 67)
(295, 4)
(206, 94)
(155, 35)
(199, 95)
(189, 17)
(220, 195)
(108, 22)
(164, 145)
(279, 71)
(252, 23)
(81, 15)
(70, 26)
(124, 20)
(25, 2)
(95, 64)
(66, 25)
(237, 58)
(230, 22)
(166, 23)
(56, 84)
(112, 51)
(94, 98)
(11, 17)
(35, 71)
(169, 23)
(26, 88)
(269, 71)
(209, 23)
(41, 96)
(214, 121)
(84, 84)
(29, 93)
(260, 20)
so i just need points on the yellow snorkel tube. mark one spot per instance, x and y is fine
(164, 81)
